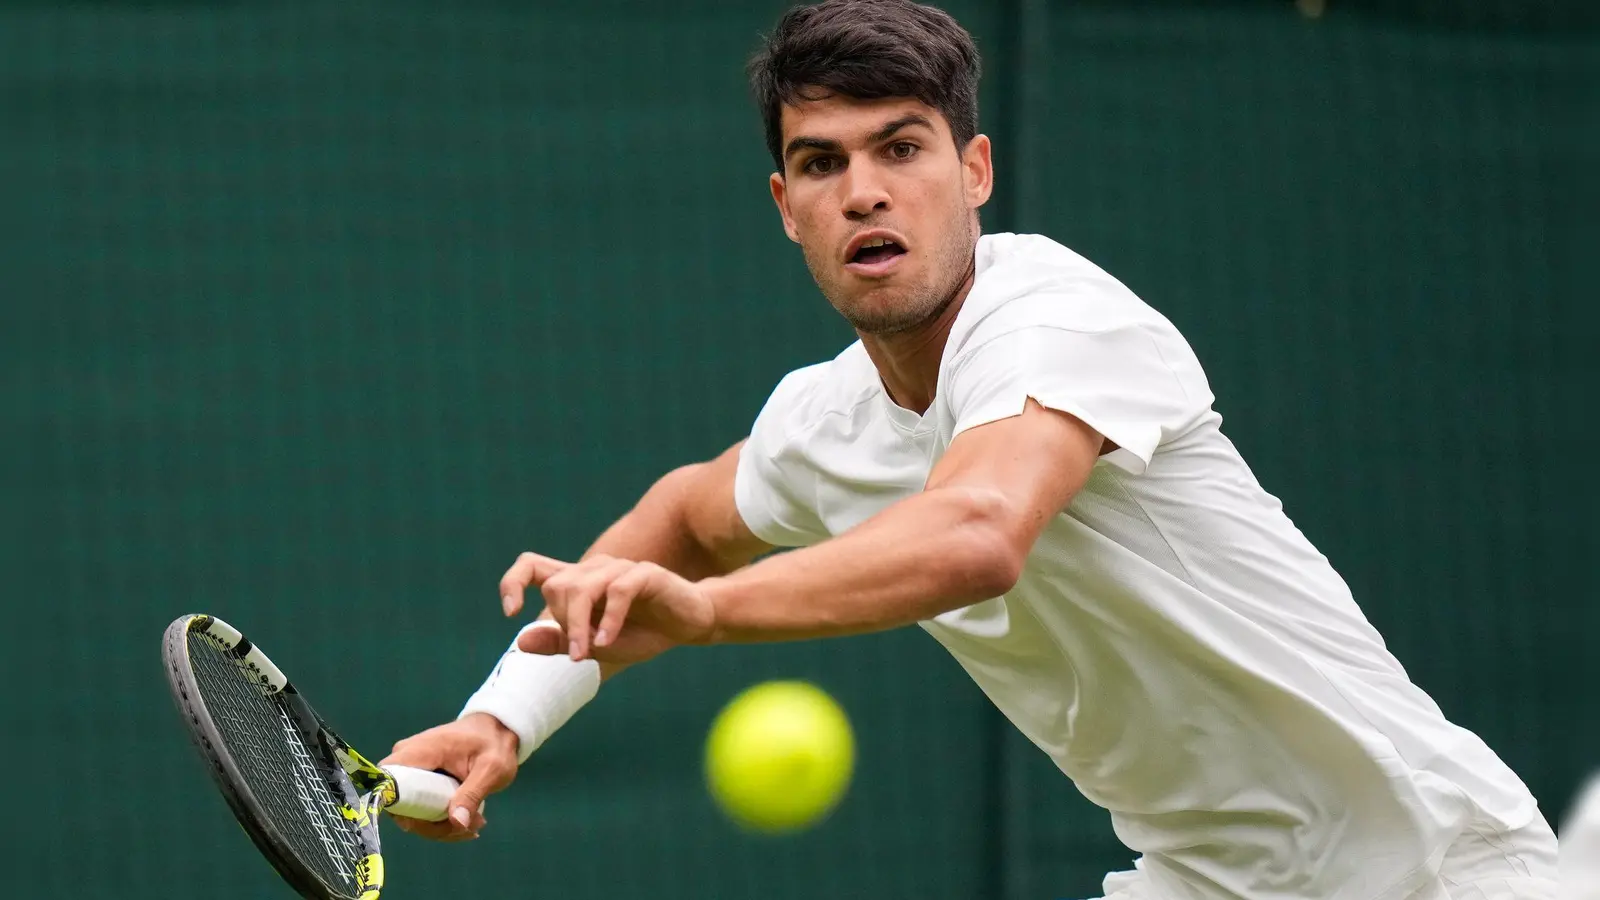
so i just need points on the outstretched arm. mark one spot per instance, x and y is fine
(964, 538)
(686, 523)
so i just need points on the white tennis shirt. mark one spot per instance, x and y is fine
(1580, 846)
(1175, 644)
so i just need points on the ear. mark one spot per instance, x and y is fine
(780, 196)
(977, 171)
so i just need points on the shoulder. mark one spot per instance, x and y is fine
(1043, 322)
(1029, 280)
(1031, 284)
(813, 394)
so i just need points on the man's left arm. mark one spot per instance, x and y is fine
(961, 540)
(1036, 402)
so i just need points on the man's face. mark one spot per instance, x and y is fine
(883, 206)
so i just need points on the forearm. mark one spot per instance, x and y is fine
(931, 553)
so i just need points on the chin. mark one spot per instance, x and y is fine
(884, 318)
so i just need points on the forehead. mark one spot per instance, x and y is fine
(847, 119)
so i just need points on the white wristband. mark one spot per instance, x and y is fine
(533, 695)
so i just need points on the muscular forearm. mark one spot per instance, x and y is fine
(933, 552)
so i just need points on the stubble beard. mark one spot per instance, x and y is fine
(914, 305)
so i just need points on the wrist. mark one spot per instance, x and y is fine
(532, 695)
(717, 592)
(497, 731)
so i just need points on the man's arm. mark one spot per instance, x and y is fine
(687, 523)
(964, 538)
(961, 540)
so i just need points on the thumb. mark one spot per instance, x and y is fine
(543, 637)
(488, 774)
(466, 804)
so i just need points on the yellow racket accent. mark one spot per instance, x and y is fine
(369, 877)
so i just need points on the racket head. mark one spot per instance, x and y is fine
(307, 800)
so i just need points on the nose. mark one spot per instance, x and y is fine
(864, 192)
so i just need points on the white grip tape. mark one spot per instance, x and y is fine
(421, 794)
(533, 695)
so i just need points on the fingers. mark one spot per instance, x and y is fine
(575, 594)
(435, 749)
(489, 773)
(529, 569)
(483, 760)
(447, 831)
(589, 601)
(619, 599)
(426, 750)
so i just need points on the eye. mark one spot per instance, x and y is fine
(903, 150)
(820, 165)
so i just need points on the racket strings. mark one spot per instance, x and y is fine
(271, 755)
(317, 802)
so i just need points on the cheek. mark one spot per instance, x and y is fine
(806, 209)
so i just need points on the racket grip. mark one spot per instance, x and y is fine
(421, 794)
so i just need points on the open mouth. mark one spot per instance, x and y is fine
(877, 251)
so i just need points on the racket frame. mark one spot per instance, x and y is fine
(249, 811)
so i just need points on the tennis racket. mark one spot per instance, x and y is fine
(309, 802)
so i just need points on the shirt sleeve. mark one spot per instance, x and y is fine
(774, 488)
(1118, 380)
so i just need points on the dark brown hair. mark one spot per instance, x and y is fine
(867, 50)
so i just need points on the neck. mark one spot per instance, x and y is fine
(908, 361)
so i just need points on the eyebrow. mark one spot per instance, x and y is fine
(831, 146)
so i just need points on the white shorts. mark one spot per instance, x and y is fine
(1480, 865)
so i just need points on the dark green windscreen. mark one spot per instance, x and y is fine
(314, 315)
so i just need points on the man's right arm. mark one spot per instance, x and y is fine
(687, 522)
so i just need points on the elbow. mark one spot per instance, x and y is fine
(995, 573)
(988, 550)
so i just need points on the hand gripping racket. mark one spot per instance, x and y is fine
(309, 802)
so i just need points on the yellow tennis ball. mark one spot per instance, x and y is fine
(779, 756)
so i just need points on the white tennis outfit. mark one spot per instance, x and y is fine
(1580, 846)
(1175, 644)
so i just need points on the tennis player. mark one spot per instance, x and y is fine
(1021, 457)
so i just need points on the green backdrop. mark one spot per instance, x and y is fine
(314, 315)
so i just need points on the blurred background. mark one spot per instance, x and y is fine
(313, 315)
